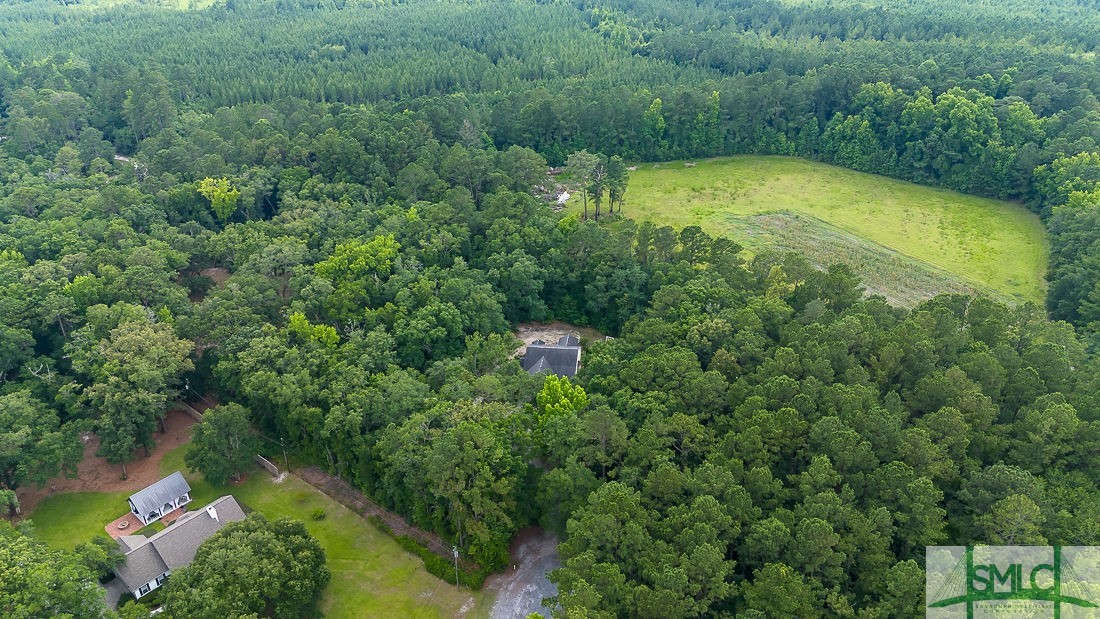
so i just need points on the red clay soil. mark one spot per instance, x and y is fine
(94, 474)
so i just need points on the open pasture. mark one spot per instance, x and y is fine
(929, 240)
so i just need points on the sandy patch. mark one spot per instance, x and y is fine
(551, 332)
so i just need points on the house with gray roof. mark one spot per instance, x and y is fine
(150, 560)
(153, 502)
(563, 358)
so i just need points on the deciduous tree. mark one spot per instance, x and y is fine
(252, 568)
(222, 445)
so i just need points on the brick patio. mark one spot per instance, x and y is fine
(171, 516)
(132, 526)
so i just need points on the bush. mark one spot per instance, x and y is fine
(318, 514)
(197, 284)
(442, 568)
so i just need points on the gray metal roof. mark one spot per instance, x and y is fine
(562, 360)
(175, 546)
(154, 497)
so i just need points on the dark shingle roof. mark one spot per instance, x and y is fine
(562, 360)
(130, 542)
(194, 528)
(142, 565)
(542, 365)
(175, 546)
(569, 340)
(164, 491)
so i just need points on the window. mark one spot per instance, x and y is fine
(160, 579)
(144, 589)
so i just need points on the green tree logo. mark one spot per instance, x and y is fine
(1011, 581)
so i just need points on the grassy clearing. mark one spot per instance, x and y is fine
(65, 520)
(990, 245)
(902, 280)
(371, 575)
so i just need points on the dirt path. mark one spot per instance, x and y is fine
(519, 591)
(95, 474)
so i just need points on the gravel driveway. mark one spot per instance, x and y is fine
(519, 591)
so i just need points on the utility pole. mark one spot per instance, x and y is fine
(454, 549)
(285, 462)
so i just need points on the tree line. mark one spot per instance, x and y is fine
(937, 93)
(760, 439)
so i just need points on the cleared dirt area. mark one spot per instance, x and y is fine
(550, 332)
(218, 274)
(95, 474)
(519, 590)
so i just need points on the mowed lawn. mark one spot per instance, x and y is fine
(371, 575)
(995, 245)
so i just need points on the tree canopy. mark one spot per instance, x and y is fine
(251, 568)
(333, 215)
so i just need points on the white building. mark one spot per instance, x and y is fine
(153, 502)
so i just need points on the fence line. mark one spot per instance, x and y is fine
(187, 408)
(267, 465)
(349, 497)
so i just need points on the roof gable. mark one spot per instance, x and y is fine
(155, 496)
(569, 340)
(542, 365)
(142, 565)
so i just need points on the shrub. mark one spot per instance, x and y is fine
(443, 568)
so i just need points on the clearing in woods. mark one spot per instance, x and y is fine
(907, 242)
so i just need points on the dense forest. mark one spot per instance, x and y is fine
(760, 439)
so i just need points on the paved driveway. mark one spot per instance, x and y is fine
(114, 590)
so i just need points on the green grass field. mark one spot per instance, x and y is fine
(371, 575)
(953, 241)
(65, 520)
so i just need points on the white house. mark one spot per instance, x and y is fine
(153, 502)
(150, 560)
